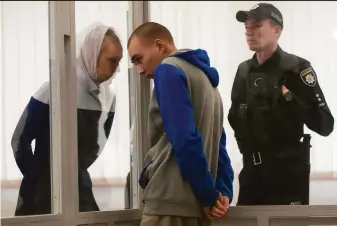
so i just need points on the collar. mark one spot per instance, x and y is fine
(179, 51)
(274, 59)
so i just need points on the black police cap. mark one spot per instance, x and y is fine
(261, 11)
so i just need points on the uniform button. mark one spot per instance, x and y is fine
(317, 95)
(319, 99)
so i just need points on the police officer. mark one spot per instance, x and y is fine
(274, 94)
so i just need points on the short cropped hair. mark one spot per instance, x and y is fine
(151, 31)
(273, 23)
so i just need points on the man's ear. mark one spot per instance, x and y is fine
(160, 44)
(278, 31)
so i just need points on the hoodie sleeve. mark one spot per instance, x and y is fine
(170, 85)
(225, 174)
(33, 120)
(111, 115)
(31, 123)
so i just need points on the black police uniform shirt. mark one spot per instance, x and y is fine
(259, 112)
(95, 113)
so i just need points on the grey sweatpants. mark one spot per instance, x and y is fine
(152, 220)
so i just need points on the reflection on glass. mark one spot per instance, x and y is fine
(222, 35)
(103, 105)
(24, 109)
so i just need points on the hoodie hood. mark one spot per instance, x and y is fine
(200, 59)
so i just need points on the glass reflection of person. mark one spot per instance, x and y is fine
(97, 60)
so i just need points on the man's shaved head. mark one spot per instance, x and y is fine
(148, 45)
(150, 31)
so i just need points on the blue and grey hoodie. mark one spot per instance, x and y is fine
(187, 165)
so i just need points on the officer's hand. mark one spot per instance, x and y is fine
(284, 90)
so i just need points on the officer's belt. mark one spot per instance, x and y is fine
(269, 154)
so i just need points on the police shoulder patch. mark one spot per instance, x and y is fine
(308, 76)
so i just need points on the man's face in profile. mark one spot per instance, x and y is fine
(145, 55)
(110, 55)
(259, 33)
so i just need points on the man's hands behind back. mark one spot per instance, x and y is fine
(219, 209)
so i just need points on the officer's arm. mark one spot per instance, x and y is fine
(310, 101)
(230, 116)
(31, 122)
(225, 173)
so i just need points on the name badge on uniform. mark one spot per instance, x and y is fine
(308, 76)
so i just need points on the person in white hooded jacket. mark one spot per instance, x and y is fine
(98, 58)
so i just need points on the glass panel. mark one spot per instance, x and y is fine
(309, 32)
(103, 105)
(24, 109)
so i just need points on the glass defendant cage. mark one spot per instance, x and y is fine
(64, 131)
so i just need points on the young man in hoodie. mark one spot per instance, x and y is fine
(187, 173)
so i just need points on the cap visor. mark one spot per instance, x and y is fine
(242, 16)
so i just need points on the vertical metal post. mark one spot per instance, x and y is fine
(63, 102)
(139, 106)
